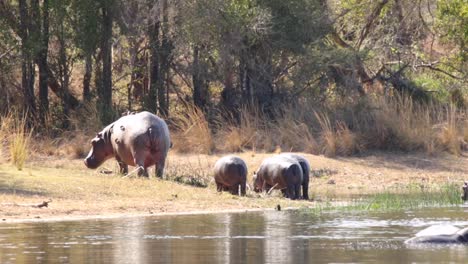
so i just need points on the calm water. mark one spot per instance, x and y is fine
(263, 237)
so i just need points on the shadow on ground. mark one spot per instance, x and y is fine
(12, 186)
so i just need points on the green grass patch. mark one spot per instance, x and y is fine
(411, 197)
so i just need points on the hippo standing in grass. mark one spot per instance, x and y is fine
(282, 173)
(440, 234)
(230, 172)
(305, 172)
(140, 140)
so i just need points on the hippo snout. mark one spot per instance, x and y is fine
(90, 163)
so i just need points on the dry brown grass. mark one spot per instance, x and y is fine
(396, 123)
(16, 139)
(235, 137)
(193, 132)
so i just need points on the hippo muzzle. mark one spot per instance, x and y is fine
(91, 163)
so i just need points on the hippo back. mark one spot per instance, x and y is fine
(274, 170)
(141, 133)
(228, 163)
(305, 165)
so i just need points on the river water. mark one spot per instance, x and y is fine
(255, 237)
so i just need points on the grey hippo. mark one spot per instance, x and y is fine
(230, 172)
(305, 165)
(440, 234)
(140, 140)
(279, 172)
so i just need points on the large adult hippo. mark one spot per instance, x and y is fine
(440, 234)
(305, 172)
(140, 139)
(230, 172)
(280, 173)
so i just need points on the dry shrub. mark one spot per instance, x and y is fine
(328, 137)
(237, 137)
(295, 136)
(193, 132)
(7, 125)
(449, 136)
(347, 140)
(19, 142)
(293, 131)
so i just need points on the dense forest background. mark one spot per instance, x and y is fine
(322, 76)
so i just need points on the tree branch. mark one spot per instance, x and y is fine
(370, 21)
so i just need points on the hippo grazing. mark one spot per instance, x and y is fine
(305, 172)
(440, 235)
(280, 173)
(230, 172)
(140, 140)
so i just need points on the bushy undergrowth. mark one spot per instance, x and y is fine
(396, 123)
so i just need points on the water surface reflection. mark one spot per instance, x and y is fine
(262, 237)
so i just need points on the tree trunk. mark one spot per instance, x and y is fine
(42, 64)
(27, 67)
(259, 77)
(200, 84)
(165, 57)
(150, 100)
(87, 77)
(105, 91)
(64, 79)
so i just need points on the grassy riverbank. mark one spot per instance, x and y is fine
(72, 191)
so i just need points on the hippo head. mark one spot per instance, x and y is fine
(463, 235)
(101, 150)
(257, 183)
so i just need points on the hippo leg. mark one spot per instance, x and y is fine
(160, 164)
(297, 191)
(219, 187)
(123, 167)
(290, 190)
(139, 159)
(235, 189)
(305, 191)
(242, 185)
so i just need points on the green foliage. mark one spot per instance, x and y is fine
(452, 19)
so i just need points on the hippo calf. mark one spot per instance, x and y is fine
(230, 172)
(305, 172)
(140, 139)
(279, 173)
(440, 235)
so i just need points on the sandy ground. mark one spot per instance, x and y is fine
(74, 192)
